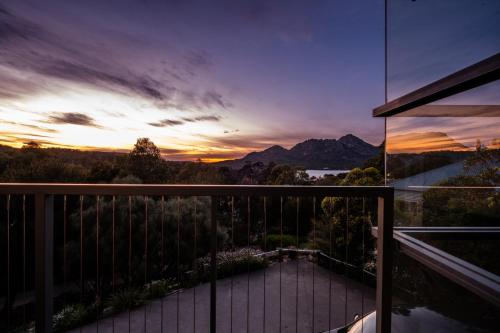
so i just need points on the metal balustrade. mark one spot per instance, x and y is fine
(113, 212)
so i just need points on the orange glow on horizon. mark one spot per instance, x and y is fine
(422, 142)
(414, 135)
(182, 155)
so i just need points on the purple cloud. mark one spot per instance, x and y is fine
(72, 118)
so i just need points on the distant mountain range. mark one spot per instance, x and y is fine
(345, 153)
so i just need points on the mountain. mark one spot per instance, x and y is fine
(345, 153)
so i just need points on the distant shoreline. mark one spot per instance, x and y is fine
(322, 173)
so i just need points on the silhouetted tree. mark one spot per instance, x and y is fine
(145, 161)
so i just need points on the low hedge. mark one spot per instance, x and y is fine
(231, 263)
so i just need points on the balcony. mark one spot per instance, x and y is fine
(194, 258)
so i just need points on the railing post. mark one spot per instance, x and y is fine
(44, 250)
(384, 262)
(213, 265)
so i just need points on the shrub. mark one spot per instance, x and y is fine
(274, 241)
(231, 263)
(125, 299)
(74, 315)
(160, 288)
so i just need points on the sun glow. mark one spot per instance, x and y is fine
(113, 121)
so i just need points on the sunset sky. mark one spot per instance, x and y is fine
(218, 79)
(202, 79)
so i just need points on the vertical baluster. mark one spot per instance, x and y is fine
(98, 299)
(383, 297)
(81, 254)
(129, 252)
(248, 265)
(213, 264)
(195, 258)
(297, 269)
(330, 261)
(232, 267)
(162, 254)
(314, 264)
(8, 262)
(346, 265)
(280, 251)
(146, 256)
(65, 280)
(363, 267)
(113, 282)
(24, 261)
(44, 268)
(178, 257)
(265, 250)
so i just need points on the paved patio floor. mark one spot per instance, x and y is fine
(250, 312)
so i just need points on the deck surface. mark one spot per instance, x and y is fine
(249, 316)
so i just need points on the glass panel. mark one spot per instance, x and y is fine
(425, 301)
(443, 160)
(427, 40)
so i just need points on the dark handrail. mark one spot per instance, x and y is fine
(194, 190)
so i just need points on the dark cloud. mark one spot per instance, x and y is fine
(202, 118)
(166, 123)
(72, 118)
(231, 131)
(212, 98)
(175, 122)
(11, 27)
(103, 75)
(30, 48)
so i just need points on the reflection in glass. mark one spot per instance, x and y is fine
(425, 301)
(425, 154)
(419, 147)
(443, 159)
(427, 40)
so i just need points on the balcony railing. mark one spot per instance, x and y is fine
(109, 215)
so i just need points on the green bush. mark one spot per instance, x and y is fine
(231, 263)
(125, 299)
(74, 315)
(274, 241)
(160, 288)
